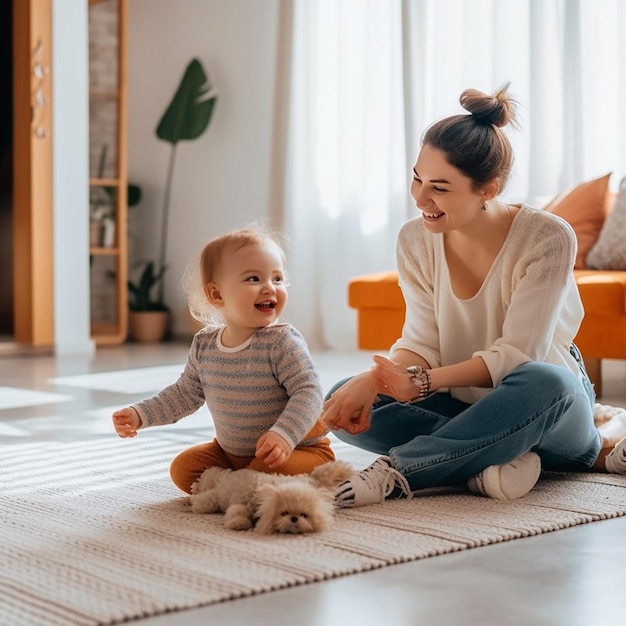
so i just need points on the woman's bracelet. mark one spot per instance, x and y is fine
(420, 377)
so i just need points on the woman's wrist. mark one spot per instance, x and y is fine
(420, 377)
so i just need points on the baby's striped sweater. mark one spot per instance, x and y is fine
(268, 383)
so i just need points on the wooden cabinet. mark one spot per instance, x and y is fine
(108, 246)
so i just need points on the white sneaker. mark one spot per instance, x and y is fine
(510, 481)
(373, 485)
(615, 462)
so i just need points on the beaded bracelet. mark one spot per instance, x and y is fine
(420, 377)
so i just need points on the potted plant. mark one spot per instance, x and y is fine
(186, 118)
(148, 317)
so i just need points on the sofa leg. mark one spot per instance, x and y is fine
(594, 369)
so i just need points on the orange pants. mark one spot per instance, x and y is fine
(189, 464)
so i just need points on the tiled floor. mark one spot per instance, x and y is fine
(573, 577)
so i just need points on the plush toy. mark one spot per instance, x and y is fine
(272, 503)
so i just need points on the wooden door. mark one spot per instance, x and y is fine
(33, 289)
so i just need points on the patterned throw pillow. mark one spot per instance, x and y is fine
(609, 252)
(585, 207)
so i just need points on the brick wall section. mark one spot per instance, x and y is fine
(102, 85)
(103, 68)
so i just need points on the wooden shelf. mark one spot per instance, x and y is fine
(104, 182)
(104, 251)
(108, 334)
(104, 95)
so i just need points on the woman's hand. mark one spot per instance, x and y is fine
(350, 406)
(273, 449)
(392, 379)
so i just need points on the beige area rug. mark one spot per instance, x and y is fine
(93, 532)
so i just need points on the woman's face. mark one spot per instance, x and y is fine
(443, 194)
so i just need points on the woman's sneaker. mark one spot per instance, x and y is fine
(373, 485)
(510, 481)
(615, 461)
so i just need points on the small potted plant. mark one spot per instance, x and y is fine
(185, 119)
(151, 324)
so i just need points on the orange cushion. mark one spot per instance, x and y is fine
(602, 292)
(380, 305)
(379, 290)
(585, 207)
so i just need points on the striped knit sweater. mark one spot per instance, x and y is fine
(268, 383)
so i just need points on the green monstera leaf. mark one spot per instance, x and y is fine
(190, 111)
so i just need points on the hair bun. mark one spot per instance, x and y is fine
(497, 109)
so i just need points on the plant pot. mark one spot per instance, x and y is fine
(147, 326)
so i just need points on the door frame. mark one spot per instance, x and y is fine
(33, 288)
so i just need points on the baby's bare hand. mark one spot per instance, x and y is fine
(126, 422)
(273, 449)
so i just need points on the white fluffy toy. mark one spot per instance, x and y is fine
(272, 503)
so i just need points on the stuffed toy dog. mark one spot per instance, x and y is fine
(272, 503)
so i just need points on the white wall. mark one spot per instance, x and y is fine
(222, 179)
(70, 132)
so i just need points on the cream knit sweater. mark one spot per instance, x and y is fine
(527, 309)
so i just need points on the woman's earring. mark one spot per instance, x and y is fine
(484, 206)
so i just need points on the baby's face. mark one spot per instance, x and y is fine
(252, 286)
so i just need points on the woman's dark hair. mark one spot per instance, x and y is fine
(476, 144)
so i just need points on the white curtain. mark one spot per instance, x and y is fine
(368, 76)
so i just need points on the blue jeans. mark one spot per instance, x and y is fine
(538, 407)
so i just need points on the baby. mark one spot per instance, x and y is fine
(255, 374)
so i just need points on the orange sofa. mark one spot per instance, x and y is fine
(602, 335)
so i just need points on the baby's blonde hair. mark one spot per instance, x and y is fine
(207, 266)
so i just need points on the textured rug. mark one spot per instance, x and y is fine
(92, 532)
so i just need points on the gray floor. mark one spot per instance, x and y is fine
(573, 577)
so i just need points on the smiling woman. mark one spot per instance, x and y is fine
(485, 385)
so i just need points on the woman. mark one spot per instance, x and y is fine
(485, 385)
